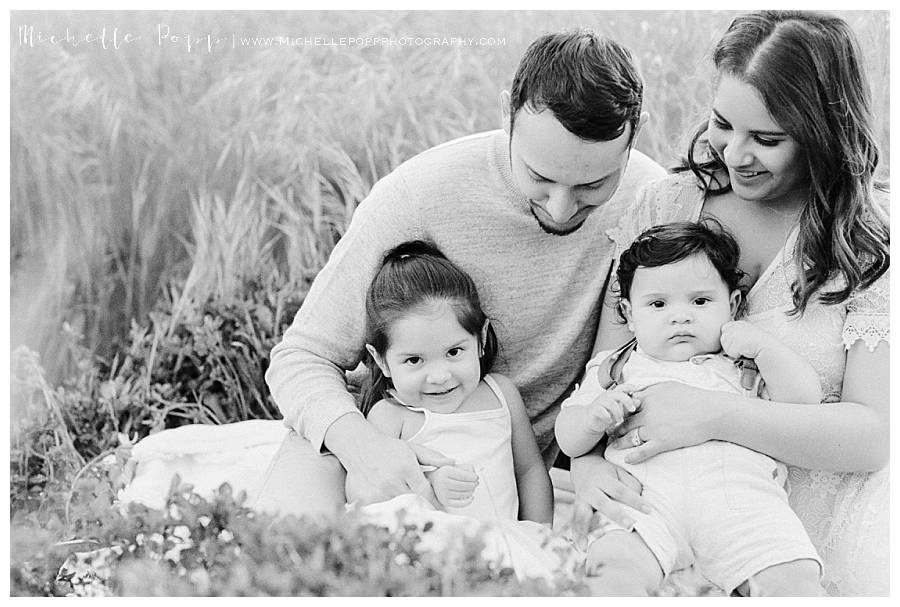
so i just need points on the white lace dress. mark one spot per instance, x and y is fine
(845, 514)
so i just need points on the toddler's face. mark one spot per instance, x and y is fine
(676, 311)
(431, 359)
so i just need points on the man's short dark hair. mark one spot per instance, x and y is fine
(589, 82)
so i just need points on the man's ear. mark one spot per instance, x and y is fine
(735, 302)
(378, 360)
(504, 111)
(625, 306)
(645, 116)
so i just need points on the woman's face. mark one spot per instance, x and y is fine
(765, 164)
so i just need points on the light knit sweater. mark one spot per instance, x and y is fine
(541, 291)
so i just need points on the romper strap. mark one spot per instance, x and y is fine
(609, 371)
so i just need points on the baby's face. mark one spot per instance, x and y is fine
(677, 311)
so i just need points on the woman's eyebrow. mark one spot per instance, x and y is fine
(755, 132)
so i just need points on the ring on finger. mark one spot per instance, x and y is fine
(636, 439)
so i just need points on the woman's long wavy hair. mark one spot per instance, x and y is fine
(806, 67)
(413, 276)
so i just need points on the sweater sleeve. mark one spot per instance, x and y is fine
(326, 338)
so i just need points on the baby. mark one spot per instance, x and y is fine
(718, 506)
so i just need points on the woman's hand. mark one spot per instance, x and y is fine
(670, 415)
(604, 487)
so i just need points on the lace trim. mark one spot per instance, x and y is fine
(872, 329)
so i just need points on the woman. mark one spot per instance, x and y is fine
(786, 163)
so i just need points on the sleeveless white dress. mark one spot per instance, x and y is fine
(482, 439)
(846, 514)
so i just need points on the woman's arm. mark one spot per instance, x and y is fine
(788, 376)
(532, 481)
(851, 435)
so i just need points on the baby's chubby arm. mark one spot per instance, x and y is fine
(589, 413)
(789, 377)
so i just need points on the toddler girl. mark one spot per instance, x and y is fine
(430, 350)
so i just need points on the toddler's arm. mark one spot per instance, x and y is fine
(789, 377)
(532, 480)
(453, 485)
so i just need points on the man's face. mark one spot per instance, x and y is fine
(564, 177)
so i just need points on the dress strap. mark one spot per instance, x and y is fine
(393, 396)
(495, 388)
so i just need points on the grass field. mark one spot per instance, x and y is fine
(153, 171)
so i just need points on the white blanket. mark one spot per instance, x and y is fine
(207, 456)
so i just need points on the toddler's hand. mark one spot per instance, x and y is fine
(742, 338)
(608, 410)
(454, 486)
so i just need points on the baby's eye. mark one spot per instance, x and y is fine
(412, 360)
(454, 352)
(701, 301)
(657, 304)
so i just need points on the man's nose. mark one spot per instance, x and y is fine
(561, 204)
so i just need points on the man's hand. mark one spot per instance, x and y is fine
(604, 487)
(454, 486)
(378, 467)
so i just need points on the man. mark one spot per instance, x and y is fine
(525, 211)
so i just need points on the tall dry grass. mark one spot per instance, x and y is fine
(150, 172)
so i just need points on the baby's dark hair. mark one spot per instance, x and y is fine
(415, 275)
(672, 242)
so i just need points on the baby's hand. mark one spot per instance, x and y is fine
(454, 486)
(608, 410)
(741, 338)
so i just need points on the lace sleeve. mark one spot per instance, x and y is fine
(672, 198)
(637, 217)
(868, 315)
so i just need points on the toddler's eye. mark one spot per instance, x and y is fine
(412, 360)
(454, 352)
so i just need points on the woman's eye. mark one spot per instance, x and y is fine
(769, 143)
(720, 124)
